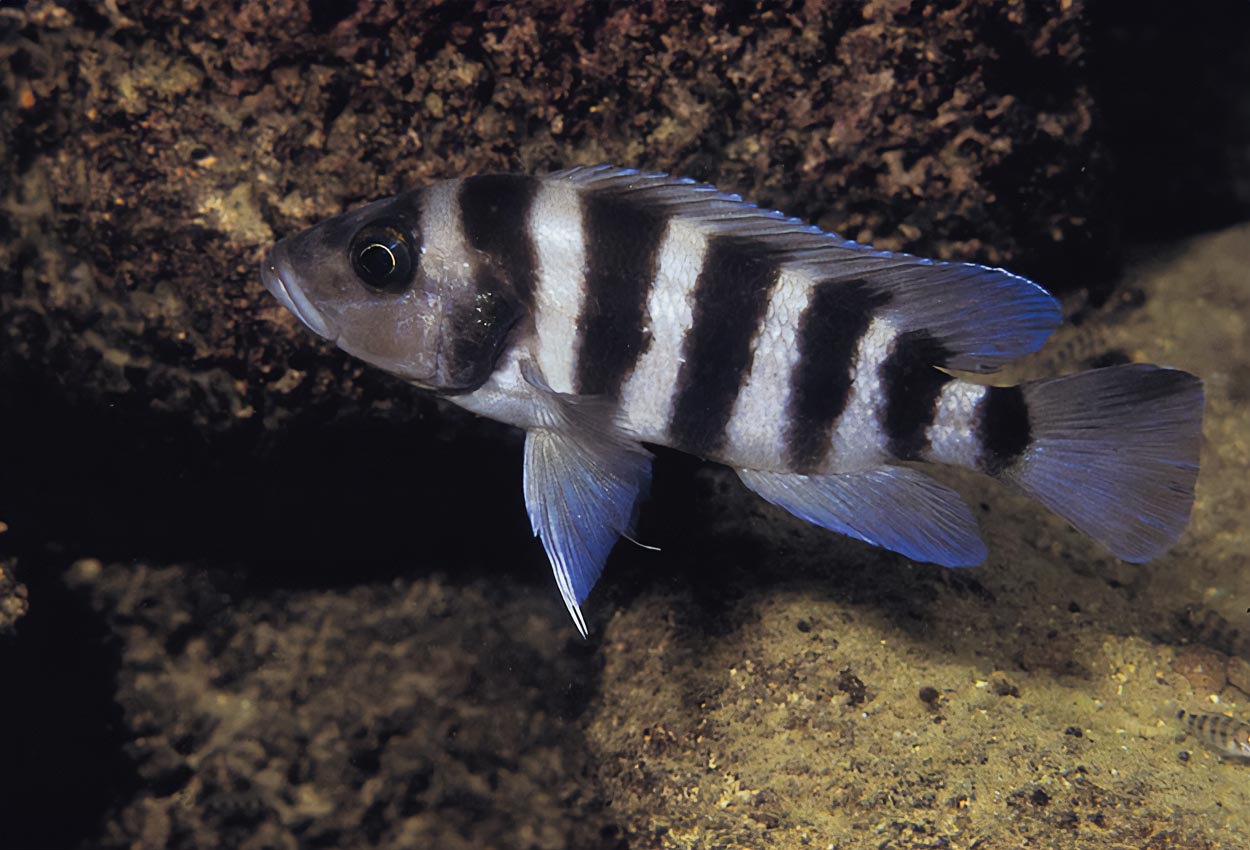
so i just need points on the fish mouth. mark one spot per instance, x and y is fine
(275, 273)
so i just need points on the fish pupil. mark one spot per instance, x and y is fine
(381, 259)
(377, 260)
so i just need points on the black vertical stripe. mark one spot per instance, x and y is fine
(478, 328)
(1002, 427)
(838, 315)
(494, 214)
(622, 241)
(494, 211)
(912, 387)
(730, 297)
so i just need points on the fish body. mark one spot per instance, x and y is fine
(1226, 735)
(602, 309)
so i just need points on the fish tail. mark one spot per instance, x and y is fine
(1113, 451)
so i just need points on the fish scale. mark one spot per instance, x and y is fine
(604, 310)
(561, 296)
(754, 429)
(647, 394)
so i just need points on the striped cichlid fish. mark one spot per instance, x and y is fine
(1226, 735)
(602, 309)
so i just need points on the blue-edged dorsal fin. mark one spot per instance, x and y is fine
(583, 478)
(982, 316)
(894, 507)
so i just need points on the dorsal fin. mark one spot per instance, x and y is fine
(983, 316)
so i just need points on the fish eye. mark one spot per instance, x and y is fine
(381, 257)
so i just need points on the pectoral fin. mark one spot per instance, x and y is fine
(583, 479)
(894, 507)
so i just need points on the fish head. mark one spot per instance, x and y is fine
(365, 281)
(1239, 744)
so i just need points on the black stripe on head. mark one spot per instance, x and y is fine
(494, 214)
(494, 210)
(912, 386)
(1003, 430)
(623, 241)
(730, 297)
(478, 331)
(838, 315)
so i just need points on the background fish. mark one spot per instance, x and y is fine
(601, 309)
(1227, 735)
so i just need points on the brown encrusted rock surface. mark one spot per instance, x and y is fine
(151, 150)
(387, 715)
(13, 597)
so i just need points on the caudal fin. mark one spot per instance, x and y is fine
(1114, 452)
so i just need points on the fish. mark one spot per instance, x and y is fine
(1226, 735)
(605, 310)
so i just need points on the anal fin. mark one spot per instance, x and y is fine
(895, 507)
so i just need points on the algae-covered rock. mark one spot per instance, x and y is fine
(388, 715)
(152, 150)
(13, 596)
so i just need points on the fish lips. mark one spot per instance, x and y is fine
(275, 273)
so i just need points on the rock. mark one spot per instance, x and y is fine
(13, 597)
(413, 713)
(153, 161)
(1237, 670)
(1203, 668)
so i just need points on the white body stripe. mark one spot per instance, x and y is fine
(506, 396)
(647, 397)
(756, 432)
(859, 441)
(757, 428)
(555, 226)
(444, 251)
(952, 436)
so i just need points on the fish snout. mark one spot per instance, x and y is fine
(282, 283)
